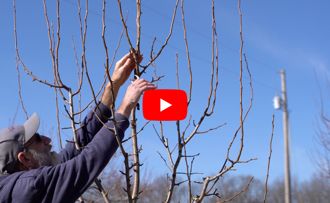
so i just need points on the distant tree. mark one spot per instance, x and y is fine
(317, 189)
(323, 138)
(276, 191)
(231, 189)
(234, 189)
(154, 189)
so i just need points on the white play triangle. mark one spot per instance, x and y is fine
(164, 105)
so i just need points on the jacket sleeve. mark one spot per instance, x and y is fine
(91, 124)
(67, 181)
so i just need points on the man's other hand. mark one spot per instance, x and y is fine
(133, 94)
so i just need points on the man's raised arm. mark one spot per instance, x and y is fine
(67, 181)
(100, 114)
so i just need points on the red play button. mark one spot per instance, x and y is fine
(164, 104)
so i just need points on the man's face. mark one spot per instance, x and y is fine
(39, 147)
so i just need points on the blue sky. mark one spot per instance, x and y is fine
(277, 34)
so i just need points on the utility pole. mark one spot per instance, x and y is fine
(287, 181)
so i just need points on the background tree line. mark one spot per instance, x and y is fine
(314, 190)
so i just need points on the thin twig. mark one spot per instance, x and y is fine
(50, 30)
(177, 70)
(166, 40)
(18, 62)
(58, 118)
(102, 190)
(125, 25)
(240, 192)
(164, 141)
(187, 51)
(246, 113)
(211, 129)
(224, 169)
(208, 111)
(163, 158)
(188, 172)
(138, 25)
(80, 77)
(83, 34)
(142, 128)
(269, 159)
(58, 41)
(241, 80)
(176, 165)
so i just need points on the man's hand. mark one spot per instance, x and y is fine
(124, 68)
(132, 96)
(121, 73)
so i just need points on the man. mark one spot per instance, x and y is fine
(30, 172)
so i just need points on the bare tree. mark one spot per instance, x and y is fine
(323, 139)
(126, 185)
(322, 154)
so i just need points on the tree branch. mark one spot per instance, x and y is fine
(269, 159)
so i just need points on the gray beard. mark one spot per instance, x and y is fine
(45, 158)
